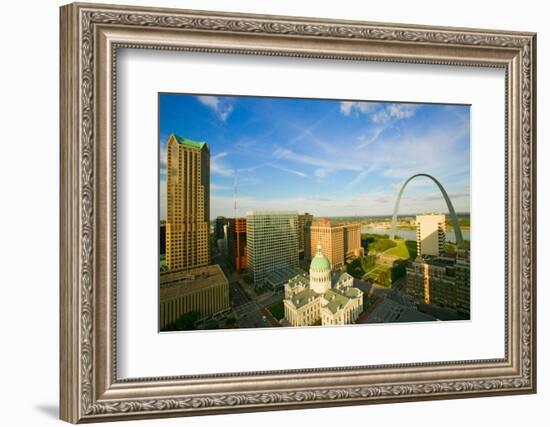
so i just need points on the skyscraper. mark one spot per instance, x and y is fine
(236, 243)
(352, 241)
(341, 242)
(432, 281)
(441, 281)
(331, 238)
(272, 242)
(187, 203)
(304, 221)
(463, 282)
(430, 235)
(221, 221)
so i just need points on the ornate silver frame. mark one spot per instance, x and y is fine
(90, 36)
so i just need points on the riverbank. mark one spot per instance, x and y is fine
(411, 234)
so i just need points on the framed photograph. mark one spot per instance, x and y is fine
(267, 212)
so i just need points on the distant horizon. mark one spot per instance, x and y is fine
(332, 157)
(458, 214)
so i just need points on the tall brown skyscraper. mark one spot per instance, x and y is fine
(236, 243)
(187, 203)
(352, 240)
(331, 238)
(340, 242)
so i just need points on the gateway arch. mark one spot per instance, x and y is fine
(454, 219)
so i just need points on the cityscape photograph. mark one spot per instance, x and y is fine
(288, 212)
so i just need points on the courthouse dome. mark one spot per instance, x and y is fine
(319, 262)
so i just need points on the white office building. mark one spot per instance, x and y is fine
(430, 234)
(272, 243)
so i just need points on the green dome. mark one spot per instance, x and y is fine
(319, 261)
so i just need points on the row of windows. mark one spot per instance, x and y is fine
(207, 303)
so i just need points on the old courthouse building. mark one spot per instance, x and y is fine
(321, 298)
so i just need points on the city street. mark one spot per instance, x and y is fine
(237, 296)
(248, 312)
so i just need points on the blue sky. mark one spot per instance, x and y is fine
(326, 157)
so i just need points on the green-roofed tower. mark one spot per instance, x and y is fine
(320, 262)
(320, 272)
(189, 142)
(187, 203)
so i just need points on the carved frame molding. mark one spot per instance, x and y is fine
(90, 37)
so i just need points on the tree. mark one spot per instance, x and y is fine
(186, 322)
(230, 321)
(368, 300)
(359, 266)
(368, 262)
(411, 247)
(384, 278)
(211, 324)
(398, 271)
(450, 249)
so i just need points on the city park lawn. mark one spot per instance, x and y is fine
(381, 243)
(367, 268)
(277, 310)
(381, 274)
(370, 268)
(405, 249)
(361, 265)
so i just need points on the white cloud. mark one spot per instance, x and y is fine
(437, 196)
(212, 102)
(221, 106)
(162, 157)
(359, 177)
(347, 107)
(328, 164)
(367, 203)
(367, 139)
(394, 156)
(435, 149)
(394, 111)
(402, 111)
(219, 166)
(321, 173)
(380, 117)
(220, 169)
(379, 112)
(219, 155)
(218, 187)
(289, 170)
(307, 132)
(371, 203)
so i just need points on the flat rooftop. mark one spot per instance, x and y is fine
(437, 261)
(178, 283)
(270, 213)
(282, 275)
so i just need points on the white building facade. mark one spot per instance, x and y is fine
(430, 235)
(272, 243)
